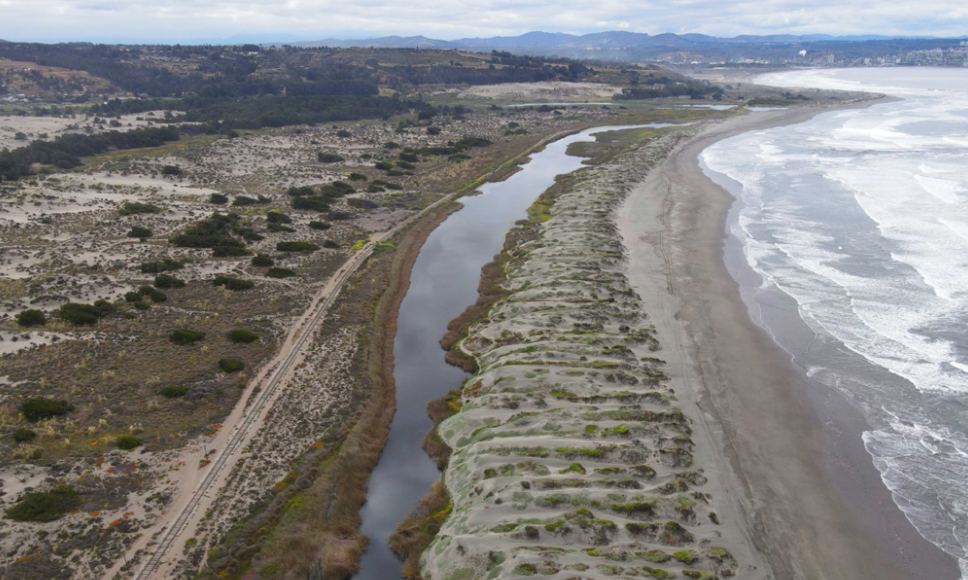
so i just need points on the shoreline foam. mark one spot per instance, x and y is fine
(816, 504)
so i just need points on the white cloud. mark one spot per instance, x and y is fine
(180, 20)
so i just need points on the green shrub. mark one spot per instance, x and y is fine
(241, 336)
(127, 442)
(132, 297)
(165, 265)
(230, 365)
(242, 200)
(229, 252)
(433, 130)
(375, 188)
(185, 337)
(280, 273)
(331, 245)
(320, 225)
(24, 434)
(296, 247)
(79, 314)
(45, 506)
(168, 281)
(409, 157)
(171, 170)
(393, 186)
(157, 297)
(31, 318)
(262, 261)
(384, 165)
(356, 177)
(39, 409)
(343, 133)
(141, 305)
(105, 307)
(277, 217)
(133, 207)
(139, 232)
(328, 157)
(174, 391)
(146, 290)
(218, 199)
(406, 165)
(232, 283)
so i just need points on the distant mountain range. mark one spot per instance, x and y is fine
(617, 40)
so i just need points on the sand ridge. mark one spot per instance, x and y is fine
(576, 449)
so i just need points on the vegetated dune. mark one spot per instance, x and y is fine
(571, 454)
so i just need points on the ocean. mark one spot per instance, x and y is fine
(861, 218)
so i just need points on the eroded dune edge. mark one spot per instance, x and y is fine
(572, 455)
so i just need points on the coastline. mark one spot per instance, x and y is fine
(815, 504)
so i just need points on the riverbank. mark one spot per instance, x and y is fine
(816, 505)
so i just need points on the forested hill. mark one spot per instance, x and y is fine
(211, 72)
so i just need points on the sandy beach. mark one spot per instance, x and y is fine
(796, 464)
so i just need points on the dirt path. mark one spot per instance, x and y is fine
(199, 485)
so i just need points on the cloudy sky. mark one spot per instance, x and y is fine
(185, 20)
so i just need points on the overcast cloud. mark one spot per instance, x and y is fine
(183, 20)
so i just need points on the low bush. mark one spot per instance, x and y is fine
(319, 225)
(406, 165)
(80, 314)
(241, 336)
(146, 290)
(296, 247)
(23, 434)
(242, 200)
(45, 506)
(134, 207)
(174, 391)
(343, 133)
(127, 442)
(277, 217)
(139, 305)
(280, 273)
(157, 297)
(165, 265)
(39, 409)
(323, 157)
(185, 337)
(433, 130)
(168, 281)
(356, 177)
(229, 252)
(31, 318)
(331, 245)
(139, 232)
(384, 165)
(232, 283)
(410, 157)
(132, 297)
(218, 199)
(262, 261)
(171, 170)
(230, 365)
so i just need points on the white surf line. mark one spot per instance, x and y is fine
(186, 512)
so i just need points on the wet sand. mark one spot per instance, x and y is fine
(801, 476)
